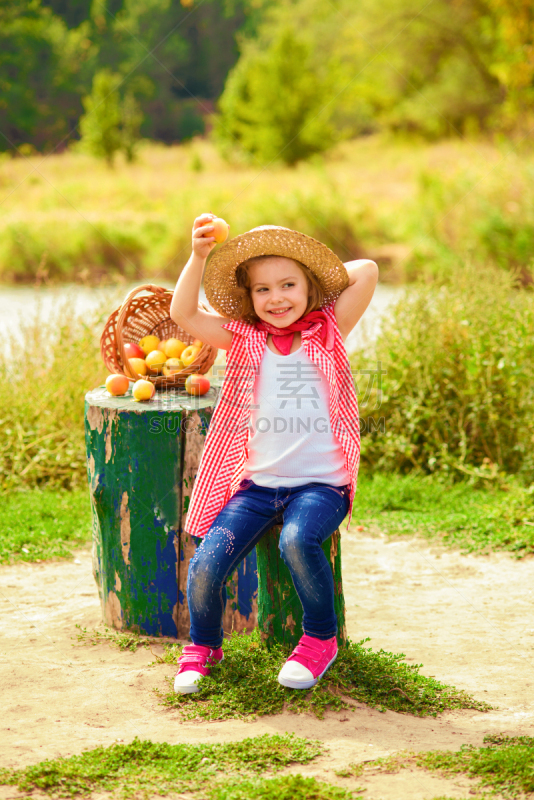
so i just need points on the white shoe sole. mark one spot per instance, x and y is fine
(305, 684)
(193, 687)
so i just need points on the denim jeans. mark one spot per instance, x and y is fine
(309, 515)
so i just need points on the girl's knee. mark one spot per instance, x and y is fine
(292, 543)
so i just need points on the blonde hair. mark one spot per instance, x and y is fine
(247, 313)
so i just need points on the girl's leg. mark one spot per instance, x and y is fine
(313, 513)
(234, 533)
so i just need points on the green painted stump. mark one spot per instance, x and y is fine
(142, 459)
(279, 607)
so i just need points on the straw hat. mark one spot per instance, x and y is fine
(270, 240)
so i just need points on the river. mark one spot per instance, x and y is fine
(19, 304)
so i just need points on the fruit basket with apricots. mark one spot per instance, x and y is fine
(141, 342)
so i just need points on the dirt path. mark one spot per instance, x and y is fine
(468, 619)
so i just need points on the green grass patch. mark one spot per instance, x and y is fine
(122, 640)
(210, 771)
(39, 524)
(458, 514)
(505, 764)
(245, 684)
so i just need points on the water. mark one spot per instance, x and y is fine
(20, 303)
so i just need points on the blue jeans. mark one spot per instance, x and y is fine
(309, 514)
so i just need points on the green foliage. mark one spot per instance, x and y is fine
(245, 684)
(43, 379)
(464, 214)
(131, 120)
(276, 104)
(212, 771)
(504, 765)
(456, 390)
(423, 71)
(41, 63)
(39, 524)
(100, 125)
(498, 515)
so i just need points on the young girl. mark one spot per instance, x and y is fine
(283, 443)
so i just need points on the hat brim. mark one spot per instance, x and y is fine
(270, 240)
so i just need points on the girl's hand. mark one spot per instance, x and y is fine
(203, 244)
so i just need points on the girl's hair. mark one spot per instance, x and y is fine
(315, 290)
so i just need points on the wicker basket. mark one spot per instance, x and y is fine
(139, 317)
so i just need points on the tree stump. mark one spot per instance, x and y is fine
(142, 460)
(279, 607)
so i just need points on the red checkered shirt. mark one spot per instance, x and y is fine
(225, 450)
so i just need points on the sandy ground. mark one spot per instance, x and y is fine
(468, 619)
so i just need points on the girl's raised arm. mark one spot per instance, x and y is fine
(353, 301)
(184, 306)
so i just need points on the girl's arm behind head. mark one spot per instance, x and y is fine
(353, 301)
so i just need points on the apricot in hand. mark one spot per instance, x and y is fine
(220, 230)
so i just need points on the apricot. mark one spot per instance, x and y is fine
(161, 345)
(149, 343)
(173, 365)
(220, 230)
(174, 348)
(189, 355)
(197, 384)
(117, 385)
(143, 390)
(138, 365)
(133, 350)
(198, 343)
(155, 361)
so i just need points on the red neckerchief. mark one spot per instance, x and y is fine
(283, 337)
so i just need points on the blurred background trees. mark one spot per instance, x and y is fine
(263, 73)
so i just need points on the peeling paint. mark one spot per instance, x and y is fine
(95, 418)
(125, 529)
(112, 417)
(113, 611)
(118, 584)
(291, 623)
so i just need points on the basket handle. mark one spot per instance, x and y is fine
(149, 287)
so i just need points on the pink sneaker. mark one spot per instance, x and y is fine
(195, 662)
(308, 662)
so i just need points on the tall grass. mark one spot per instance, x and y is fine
(419, 210)
(44, 375)
(457, 395)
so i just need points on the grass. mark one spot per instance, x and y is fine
(477, 520)
(505, 764)
(209, 771)
(417, 209)
(44, 375)
(124, 640)
(245, 685)
(455, 393)
(41, 524)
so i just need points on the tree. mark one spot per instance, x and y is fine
(276, 104)
(100, 125)
(42, 65)
(131, 118)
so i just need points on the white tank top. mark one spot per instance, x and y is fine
(291, 440)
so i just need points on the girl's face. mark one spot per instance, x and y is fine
(278, 285)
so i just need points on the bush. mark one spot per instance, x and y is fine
(458, 390)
